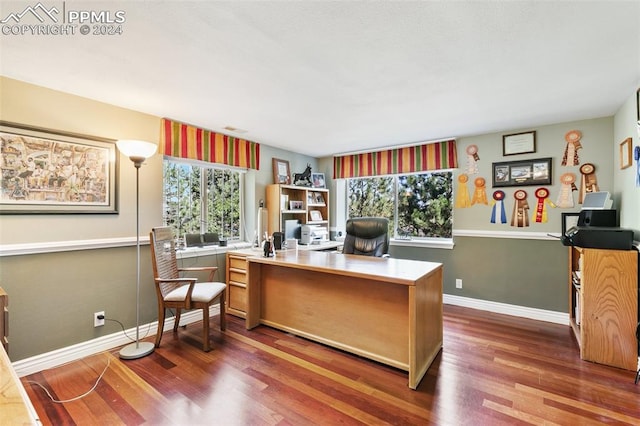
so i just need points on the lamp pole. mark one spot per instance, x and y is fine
(137, 349)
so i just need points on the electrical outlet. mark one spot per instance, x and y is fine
(458, 283)
(97, 322)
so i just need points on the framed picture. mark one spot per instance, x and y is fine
(52, 172)
(315, 215)
(295, 205)
(638, 105)
(317, 180)
(281, 171)
(625, 153)
(318, 198)
(522, 173)
(519, 143)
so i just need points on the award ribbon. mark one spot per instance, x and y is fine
(636, 156)
(462, 197)
(472, 158)
(498, 207)
(540, 214)
(570, 156)
(480, 194)
(589, 182)
(565, 197)
(520, 217)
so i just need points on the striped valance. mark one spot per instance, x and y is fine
(417, 158)
(186, 141)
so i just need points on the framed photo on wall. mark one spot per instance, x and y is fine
(519, 143)
(522, 173)
(625, 153)
(53, 172)
(638, 106)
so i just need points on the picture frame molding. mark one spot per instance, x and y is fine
(519, 143)
(58, 206)
(503, 173)
(280, 166)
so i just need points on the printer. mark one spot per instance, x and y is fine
(597, 226)
(313, 234)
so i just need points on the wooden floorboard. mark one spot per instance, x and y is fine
(493, 370)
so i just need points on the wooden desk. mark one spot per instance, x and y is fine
(15, 406)
(388, 310)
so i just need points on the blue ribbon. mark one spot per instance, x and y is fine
(503, 215)
(636, 156)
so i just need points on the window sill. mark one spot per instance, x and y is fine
(210, 250)
(446, 244)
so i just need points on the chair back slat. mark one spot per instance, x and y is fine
(163, 254)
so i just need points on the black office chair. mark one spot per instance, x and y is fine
(367, 236)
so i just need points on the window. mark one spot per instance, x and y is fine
(418, 206)
(201, 198)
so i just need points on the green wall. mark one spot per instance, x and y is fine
(52, 296)
(531, 273)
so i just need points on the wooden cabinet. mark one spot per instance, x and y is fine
(237, 282)
(15, 406)
(309, 206)
(603, 305)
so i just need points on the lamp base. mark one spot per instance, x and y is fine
(136, 350)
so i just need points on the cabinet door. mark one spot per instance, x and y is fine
(610, 307)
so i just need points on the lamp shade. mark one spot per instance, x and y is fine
(136, 150)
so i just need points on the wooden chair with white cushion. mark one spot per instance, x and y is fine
(175, 292)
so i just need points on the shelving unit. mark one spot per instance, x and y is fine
(311, 206)
(603, 305)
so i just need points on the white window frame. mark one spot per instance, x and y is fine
(423, 242)
(203, 207)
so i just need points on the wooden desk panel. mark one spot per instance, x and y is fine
(388, 310)
(15, 406)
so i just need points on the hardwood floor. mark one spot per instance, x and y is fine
(493, 370)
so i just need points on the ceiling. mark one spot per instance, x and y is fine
(321, 78)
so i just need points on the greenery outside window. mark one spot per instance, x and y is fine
(202, 197)
(418, 206)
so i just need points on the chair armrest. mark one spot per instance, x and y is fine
(176, 280)
(212, 270)
(190, 281)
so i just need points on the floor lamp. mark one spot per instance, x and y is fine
(137, 151)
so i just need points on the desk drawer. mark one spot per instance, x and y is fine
(237, 297)
(238, 262)
(238, 276)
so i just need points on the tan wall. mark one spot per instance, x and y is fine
(625, 190)
(53, 296)
(37, 106)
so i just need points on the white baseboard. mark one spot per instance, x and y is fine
(504, 308)
(61, 356)
(71, 353)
